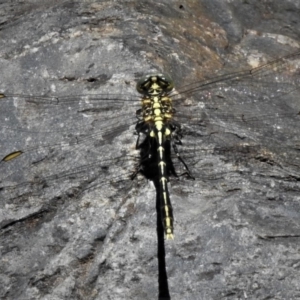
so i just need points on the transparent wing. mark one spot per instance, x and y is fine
(51, 141)
(245, 116)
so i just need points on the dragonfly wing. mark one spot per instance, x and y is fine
(75, 150)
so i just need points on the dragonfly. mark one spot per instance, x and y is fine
(89, 142)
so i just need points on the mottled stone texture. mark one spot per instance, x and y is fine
(237, 235)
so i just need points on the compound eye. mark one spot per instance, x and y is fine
(168, 82)
(143, 85)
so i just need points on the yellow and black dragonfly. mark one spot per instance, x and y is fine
(240, 126)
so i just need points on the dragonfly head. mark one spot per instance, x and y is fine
(155, 84)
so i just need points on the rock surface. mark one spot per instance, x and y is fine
(237, 237)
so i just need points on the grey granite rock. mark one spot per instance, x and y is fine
(237, 235)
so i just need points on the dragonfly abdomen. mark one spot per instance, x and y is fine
(161, 134)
